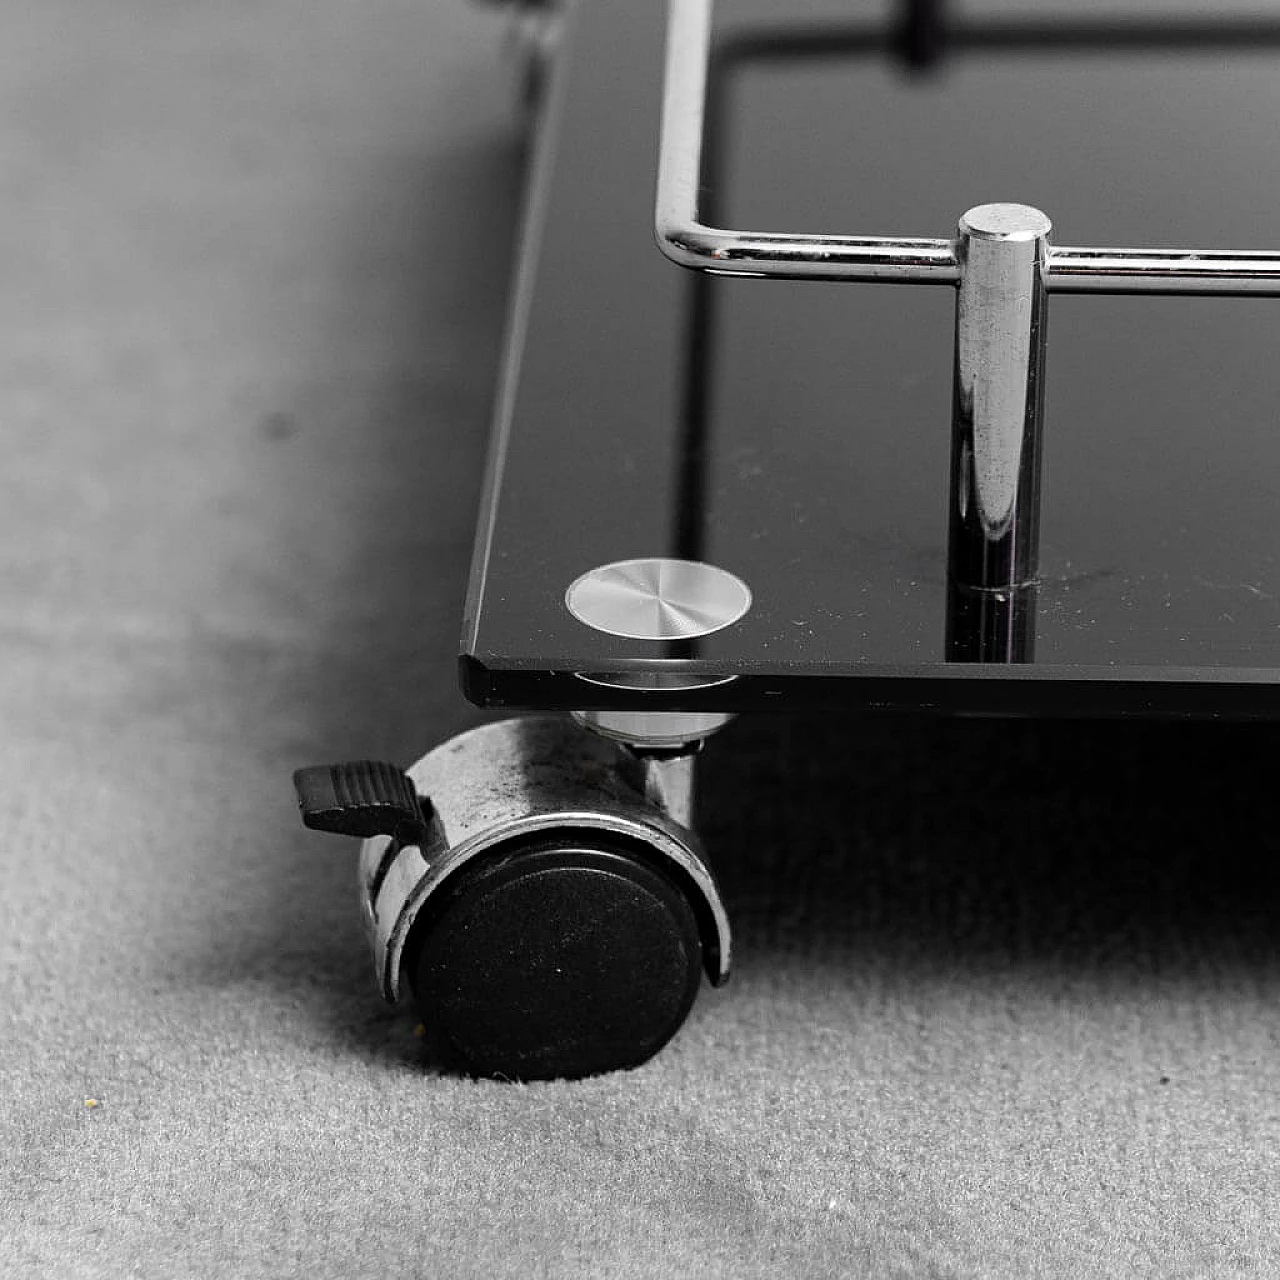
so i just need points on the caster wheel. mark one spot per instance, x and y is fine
(537, 887)
(565, 958)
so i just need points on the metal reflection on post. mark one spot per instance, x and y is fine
(1001, 325)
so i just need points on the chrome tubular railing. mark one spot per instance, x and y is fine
(1003, 267)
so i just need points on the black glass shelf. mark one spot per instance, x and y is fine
(796, 433)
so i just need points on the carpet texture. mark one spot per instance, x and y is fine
(1007, 1001)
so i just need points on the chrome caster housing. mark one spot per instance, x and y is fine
(539, 887)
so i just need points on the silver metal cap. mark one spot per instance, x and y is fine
(658, 599)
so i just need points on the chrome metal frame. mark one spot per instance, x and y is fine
(1003, 268)
(685, 239)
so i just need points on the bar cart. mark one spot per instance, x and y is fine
(708, 496)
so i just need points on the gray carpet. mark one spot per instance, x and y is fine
(1006, 1003)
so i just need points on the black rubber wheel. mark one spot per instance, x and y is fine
(566, 957)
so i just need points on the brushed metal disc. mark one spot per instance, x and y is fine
(1006, 222)
(658, 599)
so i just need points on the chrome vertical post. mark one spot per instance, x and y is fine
(1001, 315)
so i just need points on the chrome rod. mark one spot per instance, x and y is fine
(687, 240)
(1001, 322)
(1181, 271)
